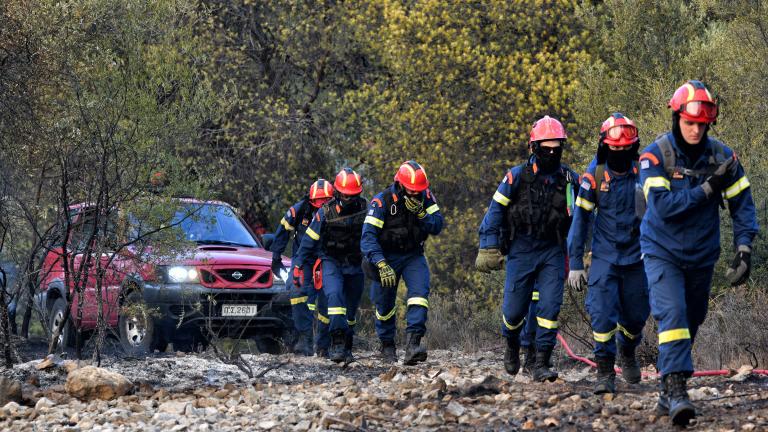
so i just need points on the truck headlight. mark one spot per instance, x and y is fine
(182, 274)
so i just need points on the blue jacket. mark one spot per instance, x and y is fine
(291, 225)
(432, 223)
(490, 228)
(681, 224)
(616, 229)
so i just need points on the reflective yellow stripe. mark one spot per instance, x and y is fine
(603, 337)
(509, 326)
(500, 198)
(298, 300)
(378, 223)
(337, 311)
(674, 335)
(433, 208)
(585, 204)
(323, 319)
(418, 301)
(311, 306)
(626, 332)
(535, 296)
(736, 188)
(285, 224)
(543, 322)
(353, 322)
(312, 234)
(387, 316)
(654, 182)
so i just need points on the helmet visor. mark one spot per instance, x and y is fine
(626, 131)
(701, 110)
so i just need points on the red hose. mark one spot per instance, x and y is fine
(721, 372)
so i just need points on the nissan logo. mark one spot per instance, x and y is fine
(237, 275)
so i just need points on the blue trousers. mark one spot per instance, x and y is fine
(679, 302)
(322, 333)
(531, 262)
(343, 288)
(528, 335)
(414, 271)
(303, 301)
(617, 303)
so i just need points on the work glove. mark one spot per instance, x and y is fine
(719, 179)
(740, 267)
(298, 276)
(577, 280)
(387, 275)
(488, 260)
(277, 265)
(415, 206)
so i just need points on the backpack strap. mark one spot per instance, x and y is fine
(667, 153)
(599, 174)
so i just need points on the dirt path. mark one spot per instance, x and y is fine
(452, 391)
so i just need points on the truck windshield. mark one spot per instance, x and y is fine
(212, 224)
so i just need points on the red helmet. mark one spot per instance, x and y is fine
(320, 192)
(547, 128)
(619, 131)
(694, 103)
(348, 182)
(412, 176)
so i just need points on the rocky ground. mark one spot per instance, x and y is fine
(452, 391)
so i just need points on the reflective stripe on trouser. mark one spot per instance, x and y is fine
(322, 334)
(679, 300)
(528, 334)
(414, 271)
(617, 303)
(302, 317)
(532, 263)
(343, 287)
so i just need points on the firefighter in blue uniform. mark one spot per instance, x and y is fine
(617, 300)
(399, 220)
(303, 297)
(334, 237)
(686, 176)
(531, 207)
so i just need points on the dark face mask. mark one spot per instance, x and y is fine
(548, 158)
(620, 160)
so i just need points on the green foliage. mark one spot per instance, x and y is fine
(457, 87)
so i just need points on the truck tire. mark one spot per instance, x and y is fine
(67, 336)
(135, 326)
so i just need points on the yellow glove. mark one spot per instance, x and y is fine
(415, 206)
(489, 260)
(387, 275)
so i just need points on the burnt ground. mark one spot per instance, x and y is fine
(451, 391)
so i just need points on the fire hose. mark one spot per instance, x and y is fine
(721, 372)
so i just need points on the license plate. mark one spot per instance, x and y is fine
(238, 310)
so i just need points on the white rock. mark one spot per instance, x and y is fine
(173, 407)
(44, 403)
(455, 409)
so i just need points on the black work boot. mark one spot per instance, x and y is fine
(662, 405)
(388, 352)
(304, 345)
(681, 410)
(336, 351)
(530, 359)
(606, 376)
(512, 355)
(348, 340)
(630, 368)
(414, 352)
(541, 371)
